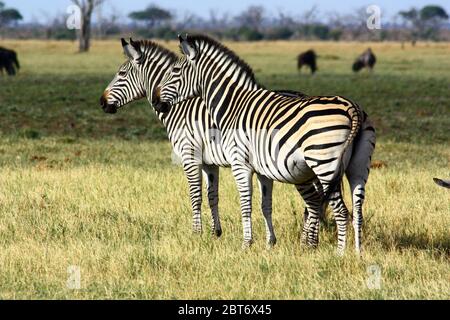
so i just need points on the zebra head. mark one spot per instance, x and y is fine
(126, 85)
(181, 81)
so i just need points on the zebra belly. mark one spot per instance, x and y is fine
(213, 152)
(294, 170)
(212, 158)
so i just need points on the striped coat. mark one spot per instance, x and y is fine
(191, 131)
(297, 140)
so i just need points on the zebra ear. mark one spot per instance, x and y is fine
(188, 48)
(132, 49)
(135, 44)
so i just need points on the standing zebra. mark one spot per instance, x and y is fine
(190, 129)
(188, 124)
(287, 139)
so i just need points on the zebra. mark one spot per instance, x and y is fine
(186, 126)
(304, 141)
(189, 127)
(127, 86)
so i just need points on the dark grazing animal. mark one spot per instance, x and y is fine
(366, 60)
(8, 61)
(307, 58)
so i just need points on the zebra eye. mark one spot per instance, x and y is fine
(122, 73)
(176, 69)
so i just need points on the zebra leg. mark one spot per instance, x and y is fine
(304, 235)
(266, 187)
(340, 212)
(194, 177)
(358, 173)
(211, 177)
(358, 193)
(314, 205)
(243, 177)
(308, 189)
(341, 215)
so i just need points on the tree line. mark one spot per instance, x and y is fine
(254, 23)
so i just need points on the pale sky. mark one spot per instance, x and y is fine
(42, 10)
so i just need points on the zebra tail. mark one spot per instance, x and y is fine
(356, 115)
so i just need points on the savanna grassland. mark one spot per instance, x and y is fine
(82, 188)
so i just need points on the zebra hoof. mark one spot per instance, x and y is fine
(271, 243)
(217, 232)
(304, 237)
(247, 244)
(196, 230)
(303, 241)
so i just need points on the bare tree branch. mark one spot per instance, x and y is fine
(86, 8)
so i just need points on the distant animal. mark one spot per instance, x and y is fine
(366, 60)
(442, 182)
(307, 58)
(8, 61)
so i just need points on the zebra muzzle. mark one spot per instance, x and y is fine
(107, 107)
(160, 106)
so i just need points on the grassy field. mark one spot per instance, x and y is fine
(99, 192)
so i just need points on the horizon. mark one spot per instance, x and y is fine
(43, 11)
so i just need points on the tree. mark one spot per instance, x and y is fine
(86, 9)
(357, 24)
(412, 16)
(8, 15)
(216, 22)
(429, 13)
(432, 17)
(152, 16)
(252, 18)
(426, 22)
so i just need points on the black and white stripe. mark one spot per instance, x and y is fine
(190, 129)
(304, 141)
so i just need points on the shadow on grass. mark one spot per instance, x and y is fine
(399, 240)
(440, 245)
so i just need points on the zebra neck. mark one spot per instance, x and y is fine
(222, 94)
(154, 71)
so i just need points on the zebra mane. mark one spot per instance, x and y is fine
(228, 52)
(149, 47)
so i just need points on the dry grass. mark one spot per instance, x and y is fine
(78, 187)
